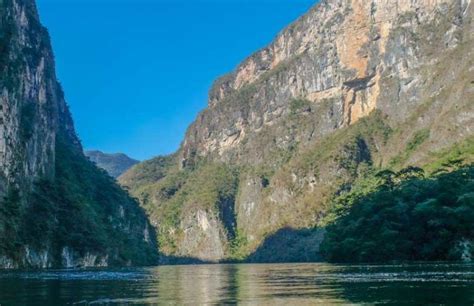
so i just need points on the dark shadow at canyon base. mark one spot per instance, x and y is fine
(289, 245)
(286, 245)
(177, 260)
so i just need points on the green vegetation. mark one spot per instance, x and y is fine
(367, 211)
(77, 206)
(352, 151)
(299, 105)
(78, 209)
(403, 216)
(238, 246)
(148, 172)
(415, 142)
(420, 137)
(9, 222)
(211, 184)
(210, 187)
(114, 164)
(459, 153)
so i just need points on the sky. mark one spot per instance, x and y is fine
(137, 72)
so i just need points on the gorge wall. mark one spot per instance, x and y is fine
(342, 60)
(57, 208)
(350, 87)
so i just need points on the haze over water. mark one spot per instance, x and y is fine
(282, 284)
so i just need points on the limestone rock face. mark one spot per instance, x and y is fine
(28, 118)
(349, 87)
(203, 239)
(41, 163)
(356, 56)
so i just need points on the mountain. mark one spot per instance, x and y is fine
(115, 164)
(353, 97)
(56, 209)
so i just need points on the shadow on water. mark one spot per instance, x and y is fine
(258, 284)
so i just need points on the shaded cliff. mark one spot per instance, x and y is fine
(115, 164)
(349, 89)
(57, 208)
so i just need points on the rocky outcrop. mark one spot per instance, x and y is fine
(350, 87)
(204, 237)
(52, 198)
(70, 259)
(115, 164)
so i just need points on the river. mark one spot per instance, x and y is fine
(246, 284)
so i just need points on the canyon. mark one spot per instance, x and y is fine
(355, 102)
(350, 88)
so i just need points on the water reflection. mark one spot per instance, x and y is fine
(285, 284)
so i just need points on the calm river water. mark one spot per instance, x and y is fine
(282, 284)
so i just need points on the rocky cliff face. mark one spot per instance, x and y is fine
(115, 164)
(351, 87)
(337, 64)
(42, 164)
(29, 119)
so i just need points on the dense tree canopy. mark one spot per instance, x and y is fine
(81, 208)
(404, 216)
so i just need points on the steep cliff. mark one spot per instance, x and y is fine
(350, 88)
(58, 209)
(115, 164)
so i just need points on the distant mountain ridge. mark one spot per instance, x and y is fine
(115, 164)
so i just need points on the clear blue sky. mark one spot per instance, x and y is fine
(137, 72)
